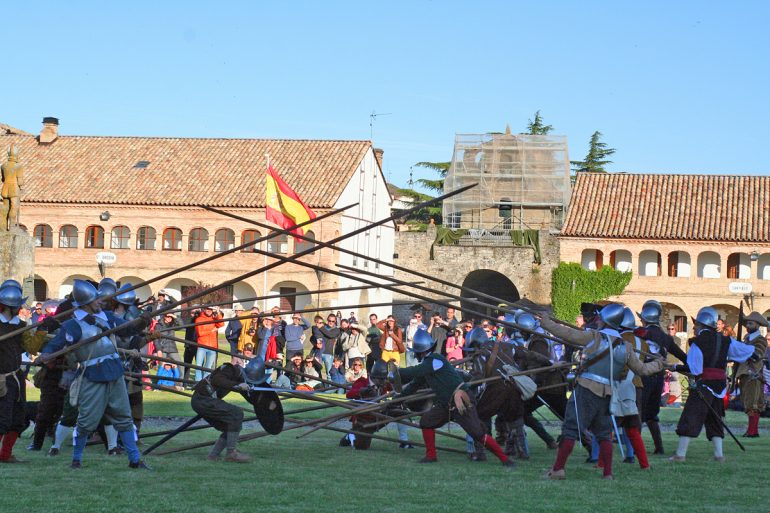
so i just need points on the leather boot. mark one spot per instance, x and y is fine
(654, 428)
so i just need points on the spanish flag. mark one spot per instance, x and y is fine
(282, 205)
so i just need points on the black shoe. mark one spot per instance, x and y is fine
(628, 459)
(139, 464)
(427, 460)
(405, 445)
(345, 441)
(115, 451)
(75, 464)
(33, 447)
(658, 451)
(53, 451)
(590, 460)
(509, 463)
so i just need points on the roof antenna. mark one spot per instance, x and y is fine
(411, 176)
(372, 118)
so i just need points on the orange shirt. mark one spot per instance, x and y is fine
(207, 333)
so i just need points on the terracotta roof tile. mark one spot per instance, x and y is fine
(214, 172)
(670, 207)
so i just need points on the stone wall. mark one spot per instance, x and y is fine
(454, 263)
(17, 258)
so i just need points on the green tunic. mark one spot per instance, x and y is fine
(435, 372)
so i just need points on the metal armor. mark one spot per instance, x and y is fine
(100, 348)
(609, 366)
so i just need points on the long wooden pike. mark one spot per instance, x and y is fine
(286, 231)
(278, 261)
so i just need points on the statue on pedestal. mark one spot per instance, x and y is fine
(12, 183)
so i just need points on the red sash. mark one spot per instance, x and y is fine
(710, 374)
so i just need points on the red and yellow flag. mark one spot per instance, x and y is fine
(282, 205)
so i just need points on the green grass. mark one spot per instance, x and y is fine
(314, 474)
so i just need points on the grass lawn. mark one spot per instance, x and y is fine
(314, 474)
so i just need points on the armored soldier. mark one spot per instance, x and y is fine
(659, 343)
(99, 388)
(749, 373)
(606, 355)
(12, 387)
(454, 400)
(707, 363)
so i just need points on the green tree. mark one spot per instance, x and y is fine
(536, 126)
(442, 168)
(596, 158)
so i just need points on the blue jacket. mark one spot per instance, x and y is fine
(168, 373)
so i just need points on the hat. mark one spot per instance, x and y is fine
(355, 326)
(237, 306)
(756, 317)
(162, 292)
(354, 353)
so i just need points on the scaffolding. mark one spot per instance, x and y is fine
(523, 182)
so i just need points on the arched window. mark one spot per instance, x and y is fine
(278, 244)
(172, 239)
(119, 237)
(709, 265)
(199, 240)
(145, 238)
(68, 236)
(224, 239)
(301, 245)
(763, 267)
(592, 259)
(739, 266)
(620, 260)
(95, 237)
(679, 264)
(649, 263)
(43, 236)
(248, 236)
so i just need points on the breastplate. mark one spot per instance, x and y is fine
(102, 346)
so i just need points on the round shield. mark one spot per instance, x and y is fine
(268, 409)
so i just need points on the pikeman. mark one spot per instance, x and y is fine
(12, 385)
(208, 402)
(749, 373)
(659, 342)
(99, 389)
(606, 355)
(454, 400)
(369, 388)
(707, 363)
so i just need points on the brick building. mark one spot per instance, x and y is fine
(689, 240)
(139, 197)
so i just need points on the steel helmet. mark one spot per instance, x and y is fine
(527, 322)
(126, 298)
(477, 336)
(107, 287)
(255, 372)
(509, 319)
(11, 296)
(422, 342)
(379, 370)
(517, 313)
(13, 283)
(83, 293)
(629, 320)
(612, 315)
(651, 312)
(707, 316)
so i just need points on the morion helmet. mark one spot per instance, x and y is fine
(127, 298)
(255, 372)
(707, 316)
(612, 315)
(11, 296)
(651, 312)
(423, 342)
(629, 320)
(83, 293)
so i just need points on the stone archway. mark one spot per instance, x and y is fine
(289, 302)
(728, 313)
(66, 285)
(142, 292)
(674, 314)
(489, 282)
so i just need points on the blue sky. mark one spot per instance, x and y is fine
(673, 86)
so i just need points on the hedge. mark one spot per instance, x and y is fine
(571, 285)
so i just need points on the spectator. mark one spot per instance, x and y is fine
(450, 317)
(338, 373)
(355, 345)
(191, 335)
(391, 340)
(438, 329)
(292, 379)
(234, 328)
(352, 319)
(356, 370)
(165, 345)
(373, 335)
(168, 370)
(208, 333)
(313, 369)
(454, 345)
(328, 334)
(295, 334)
(278, 323)
(415, 323)
(249, 325)
(342, 341)
(37, 313)
(267, 347)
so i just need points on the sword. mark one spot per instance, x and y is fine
(617, 435)
(718, 417)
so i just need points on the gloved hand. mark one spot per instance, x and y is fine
(243, 387)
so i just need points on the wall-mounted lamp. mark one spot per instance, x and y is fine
(754, 256)
(105, 216)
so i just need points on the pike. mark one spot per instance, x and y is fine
(286, 231)
(294, 258)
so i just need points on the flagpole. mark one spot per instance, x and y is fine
(264, 275)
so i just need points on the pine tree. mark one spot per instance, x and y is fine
(536, 126)
(596, 158)
(442, 168)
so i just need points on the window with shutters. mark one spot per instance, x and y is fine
(95, 237)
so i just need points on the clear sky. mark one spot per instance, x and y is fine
(673, 86)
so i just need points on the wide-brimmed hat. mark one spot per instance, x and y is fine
(756, 317)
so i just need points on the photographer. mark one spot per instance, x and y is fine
(391, 340)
